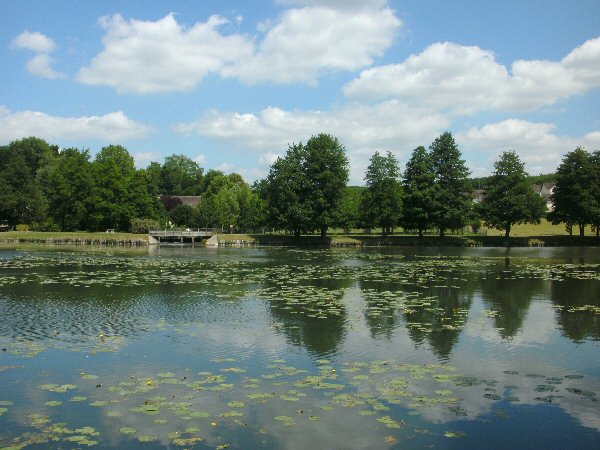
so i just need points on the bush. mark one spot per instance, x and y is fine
(22, 227)
(47, 225)
(143, 225)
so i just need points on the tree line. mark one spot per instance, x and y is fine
(305, 191)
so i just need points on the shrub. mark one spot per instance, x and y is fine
(22, 227)
(47, 225)
(143, 225)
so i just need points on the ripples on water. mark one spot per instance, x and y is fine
(388, 337)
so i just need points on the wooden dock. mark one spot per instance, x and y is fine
(188, 235)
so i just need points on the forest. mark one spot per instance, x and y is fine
(45, 188)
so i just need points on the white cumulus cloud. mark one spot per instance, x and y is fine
(162, 56)
(468, 79)
(536, 143)
(34, 41)
(147, 57)
(115, 126)
(363, 129)
(308, 41)
(41, 64)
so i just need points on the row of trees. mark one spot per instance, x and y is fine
(576, 197)
(49, 189)
(305, 191)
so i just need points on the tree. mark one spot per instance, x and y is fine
(326, 171)
(509, 198)
(285, 192)
(419, 191)
(22, 165)
(595, 159)
(113, 172)
(304, 189)
(382, 200)
(69, 185)
(351, 216)
(575, 195)
(181, 176)
(452, 202)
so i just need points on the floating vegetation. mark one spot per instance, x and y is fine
(215, 316)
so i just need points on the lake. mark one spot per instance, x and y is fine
(273, 348)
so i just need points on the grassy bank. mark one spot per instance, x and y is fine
(545, 228)
(75, 238)
(525, 236)
(405, 241)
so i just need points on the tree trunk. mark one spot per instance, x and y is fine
(323, 232)
(507, 230)
(296, 233)
(442, 232)
(581, 229)
(420, 232)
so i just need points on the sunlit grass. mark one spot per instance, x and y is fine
(78, 235)
(543, 229)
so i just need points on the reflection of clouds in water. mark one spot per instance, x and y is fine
(538, 326)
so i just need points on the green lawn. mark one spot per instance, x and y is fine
(543, 229)
(57, 235)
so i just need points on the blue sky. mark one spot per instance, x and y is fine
(231, 83)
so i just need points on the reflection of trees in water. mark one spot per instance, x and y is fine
(308, 323)
(71, 313)
(441, 322)
(381, 315)
(512, 299)
(571, 294)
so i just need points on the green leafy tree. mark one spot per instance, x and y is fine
(181, 176)
(69, 186)
(575, 195)
(351, 216)
(22, 165)
(154, 174)
(453, 205)
(326, 172)
(509, 198)
(304, 189)
(113, 171)
(252, 209)
(419, 191)
(382, 199)
(182, 215)
(141, 198)
(285, 191)
(595, 159)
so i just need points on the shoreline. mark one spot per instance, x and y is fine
(269, 240)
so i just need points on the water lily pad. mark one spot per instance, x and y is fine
(89, 376)
(235, 404)
(147, 438)
(286, 420)
(454, 434)
(53, 403)
(389, 422)
(128, 430)
(443, 392)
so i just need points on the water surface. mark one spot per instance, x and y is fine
(294, 348)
